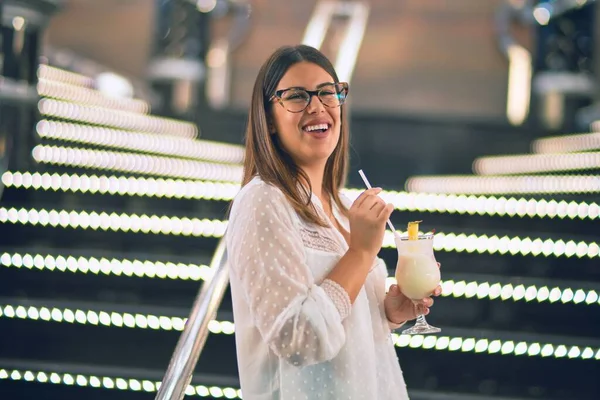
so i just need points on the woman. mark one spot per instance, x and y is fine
(312, 316)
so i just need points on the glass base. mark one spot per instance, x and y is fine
(421, 328)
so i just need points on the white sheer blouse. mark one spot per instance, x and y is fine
(297, 335)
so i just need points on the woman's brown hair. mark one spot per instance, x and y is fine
(264, 155)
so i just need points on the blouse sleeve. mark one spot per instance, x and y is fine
(298, 318)
(381, 284)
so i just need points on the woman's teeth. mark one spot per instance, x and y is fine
(319, 127)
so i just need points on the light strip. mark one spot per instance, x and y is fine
(481, 205)
(177, 271)
(442, 343)
(532, 184)
(90, 97)
(167, 225)
(462, 242)
(112, 382)
(107, 318)
(122, 185)
(116, 118)
(107, 266)
(136, 163)
(403, 201)
(505, 292)
(319, 22)
(349, 46)
(495, 346)
(60, 75)
(143, 142)
(567, 143)
(154, 224)
(519, 84)
(532, 163)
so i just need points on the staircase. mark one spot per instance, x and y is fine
(107, 238)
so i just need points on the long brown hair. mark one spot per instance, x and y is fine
(265, 156)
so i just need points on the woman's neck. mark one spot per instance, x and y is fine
(315, 176)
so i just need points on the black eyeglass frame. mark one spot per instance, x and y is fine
(343, 89)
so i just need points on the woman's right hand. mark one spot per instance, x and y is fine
(368, 215)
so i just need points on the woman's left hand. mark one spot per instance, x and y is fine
(399, 308)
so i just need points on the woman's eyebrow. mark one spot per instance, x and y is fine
(320, 85)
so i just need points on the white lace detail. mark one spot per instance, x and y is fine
(314, 240)
(339, 296)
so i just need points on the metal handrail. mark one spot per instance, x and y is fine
(191, 342)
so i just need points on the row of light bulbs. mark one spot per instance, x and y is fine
(50, 73)
(534, 163)
(107, 318)
(171, 225)
(112, 382)
(506, 245)
(567, 143)
(176, 271)
(441, 343)
(505, 292)
(486, 205)
(136, 163)
(142, 142)
(403, 201)
(116, 118)
(122, 185)
(108, 266)
(527, 184)
(90, 97)
(115, 222)
(496, 346)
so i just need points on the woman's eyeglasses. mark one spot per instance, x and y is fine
(297, 99)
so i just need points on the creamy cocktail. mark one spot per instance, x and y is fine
(417, 271)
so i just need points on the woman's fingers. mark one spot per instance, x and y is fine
(369, 202)
(427, 302)
(385, 213)
(365, 195)
(421, 309)
(377, 208)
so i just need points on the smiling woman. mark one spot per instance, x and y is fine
(312, 315)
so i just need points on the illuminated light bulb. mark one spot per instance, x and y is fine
(142, 142)
(105, 266)
(567, 143)
(50, 73)
(116, 118)
(82, 95)
(504, 185)
(535, 163)
(136, 163)
(157, 187)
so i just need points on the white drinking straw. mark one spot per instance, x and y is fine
(368, 185)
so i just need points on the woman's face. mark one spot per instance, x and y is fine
(309, 136)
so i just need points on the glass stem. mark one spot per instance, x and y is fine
(421, 320)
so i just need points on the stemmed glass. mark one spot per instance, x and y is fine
(417, 274)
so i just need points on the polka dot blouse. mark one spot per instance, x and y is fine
(297, 335)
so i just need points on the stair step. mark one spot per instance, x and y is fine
(55, 89)
(150, 143)
(68, 380)
(85, 114)
(432, 353)
(133, 163)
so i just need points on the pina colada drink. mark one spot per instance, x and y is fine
(417, 272)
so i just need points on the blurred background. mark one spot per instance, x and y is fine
(121, 133)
